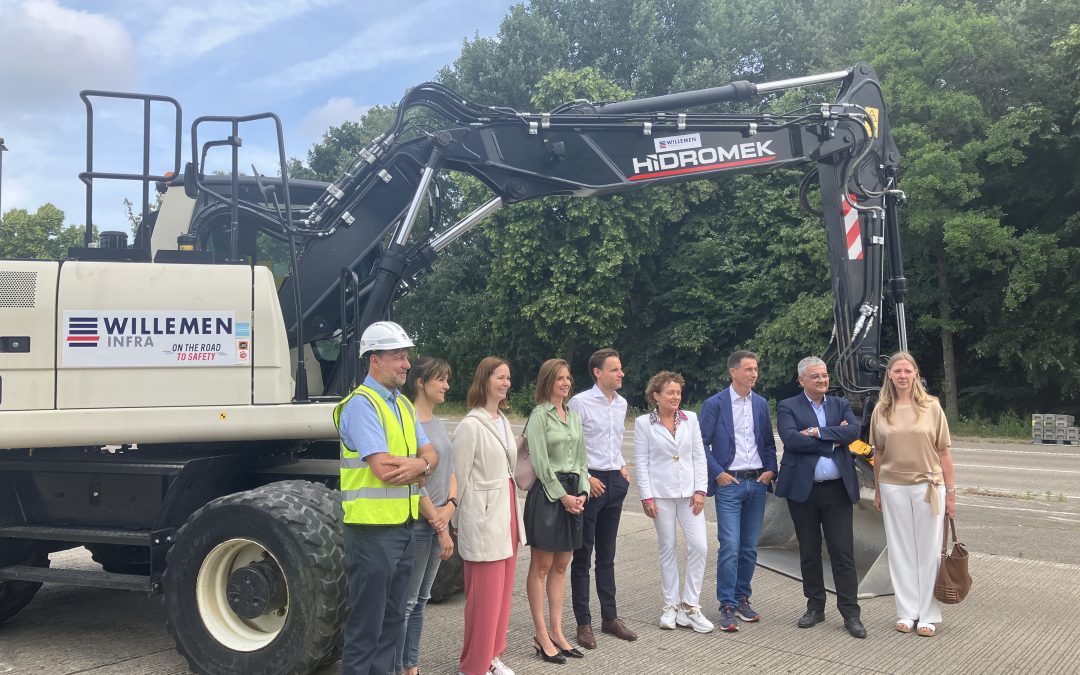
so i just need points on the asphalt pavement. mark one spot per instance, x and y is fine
(1018, 513)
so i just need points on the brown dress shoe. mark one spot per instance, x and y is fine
(617, 628)
(585, 636)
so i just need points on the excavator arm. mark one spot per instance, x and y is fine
(364, 219)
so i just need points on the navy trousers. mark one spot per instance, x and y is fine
(379, 560)
(828, 510)
(600, 530)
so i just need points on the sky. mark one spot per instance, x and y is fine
(316, 63)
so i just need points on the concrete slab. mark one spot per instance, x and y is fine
(86, 631)
(1019, 618)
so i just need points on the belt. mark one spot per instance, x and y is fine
(750, 473)
(828, 480)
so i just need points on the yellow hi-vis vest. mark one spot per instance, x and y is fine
(365, 499)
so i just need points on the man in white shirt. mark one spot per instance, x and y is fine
(603, 419)
(741, 454)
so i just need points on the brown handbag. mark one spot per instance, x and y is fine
(953, 579)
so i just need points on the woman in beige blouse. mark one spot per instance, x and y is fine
(913, 473)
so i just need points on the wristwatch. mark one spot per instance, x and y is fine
(452, 500)
(427, 466)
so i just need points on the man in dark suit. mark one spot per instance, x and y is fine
(818, 479)
(741, 453)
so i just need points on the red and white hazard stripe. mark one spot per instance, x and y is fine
(851, 227)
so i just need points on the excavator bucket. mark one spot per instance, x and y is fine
(778, 549)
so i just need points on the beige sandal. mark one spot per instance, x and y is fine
(926, 629)
(905, 625)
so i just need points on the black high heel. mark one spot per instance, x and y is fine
(552, 658)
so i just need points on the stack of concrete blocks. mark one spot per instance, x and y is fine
(1054, 429)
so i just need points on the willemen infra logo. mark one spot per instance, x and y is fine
(82, 331)
(669, 143)
(155, 338)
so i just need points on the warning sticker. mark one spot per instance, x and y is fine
(872, 125)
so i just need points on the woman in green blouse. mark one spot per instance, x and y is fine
(554, 505)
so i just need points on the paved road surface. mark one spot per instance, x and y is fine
(1020, 617)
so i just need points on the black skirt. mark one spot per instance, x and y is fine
(548, 525)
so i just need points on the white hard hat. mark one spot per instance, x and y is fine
(384, 335)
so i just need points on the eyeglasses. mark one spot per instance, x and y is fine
(817, 378)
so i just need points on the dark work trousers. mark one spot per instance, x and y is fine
(828, 509)
(379, 560)
(600, 529)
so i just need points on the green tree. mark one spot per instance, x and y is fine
(39, 235)
(972, 133)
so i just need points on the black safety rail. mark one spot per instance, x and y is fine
(284, 219)
(349, 359)
(146, 178)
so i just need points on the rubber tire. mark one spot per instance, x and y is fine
(450, 579)
(120, 559)
(14, 595)
(299, 523)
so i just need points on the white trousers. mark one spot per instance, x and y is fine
(668, 512)
(913, 534)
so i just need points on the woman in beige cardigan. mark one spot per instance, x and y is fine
(487, 520)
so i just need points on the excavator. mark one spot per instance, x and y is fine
(167, 405)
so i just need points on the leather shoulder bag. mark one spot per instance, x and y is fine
(953, 579)
(524, 473)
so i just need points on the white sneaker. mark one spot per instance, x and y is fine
(667, 619)
(693, 618)
(499, 668)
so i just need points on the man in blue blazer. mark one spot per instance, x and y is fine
(741, 453)
(819, 481)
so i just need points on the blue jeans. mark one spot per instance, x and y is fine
(423, 575)
(379, 561)
(739, 510)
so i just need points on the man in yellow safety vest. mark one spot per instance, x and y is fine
(385, 455)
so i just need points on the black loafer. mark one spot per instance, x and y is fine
(855, 627)
(812, 618)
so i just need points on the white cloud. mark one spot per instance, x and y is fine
(191, 30)
(332, 114)
(51, 52)
(379, 43)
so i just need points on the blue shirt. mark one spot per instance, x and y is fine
(826, 468)
(359, 423)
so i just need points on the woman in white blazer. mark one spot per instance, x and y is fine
(488, 520)
(669, 461)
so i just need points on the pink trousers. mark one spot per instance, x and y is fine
(489, 586)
